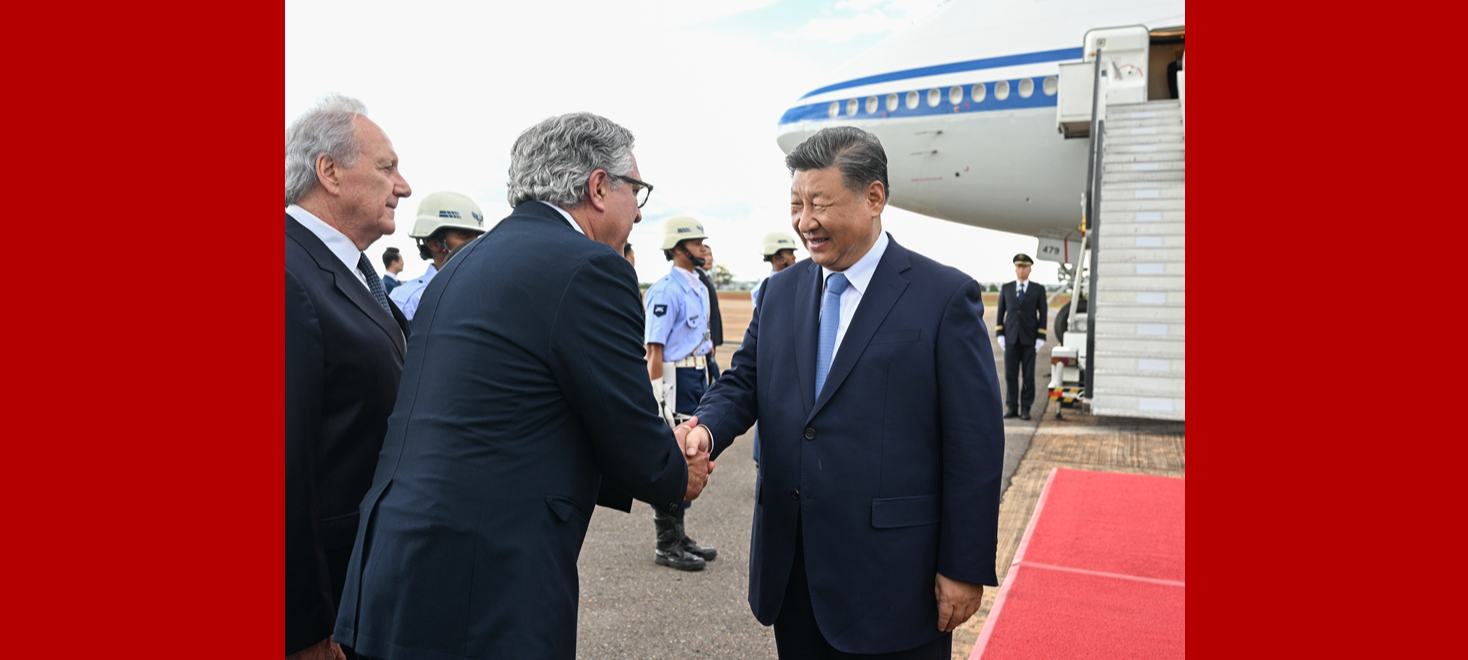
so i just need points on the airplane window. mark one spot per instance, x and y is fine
(979, 92)
(933, 97)
(912, 100)
(835, 110)
(871, 105)
(1001, 90)
(891, 102)
(1050, 85)
(955, 95)
(1026, 88)
(851, 108)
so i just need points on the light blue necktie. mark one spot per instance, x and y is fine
(830, 322)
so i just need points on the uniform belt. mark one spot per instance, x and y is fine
(693, 361)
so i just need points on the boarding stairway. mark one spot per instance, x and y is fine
(1138, 320)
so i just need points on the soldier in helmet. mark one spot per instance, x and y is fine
(1023, 311)
(779, 252)
(446, 221)
(679, 341)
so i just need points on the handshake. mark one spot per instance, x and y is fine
(695, 443)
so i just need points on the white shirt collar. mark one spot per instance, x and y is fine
(860, 273)
(689, 278)
(337, 242)
(565, 214)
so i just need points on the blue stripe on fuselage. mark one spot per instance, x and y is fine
(821, 111)
(1057, 55)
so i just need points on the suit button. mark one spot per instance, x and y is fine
(810, 433)
(794, 493)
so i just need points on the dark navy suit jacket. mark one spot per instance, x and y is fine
(892, 472)
(524, 389)
(1021, 322)
(343, 356)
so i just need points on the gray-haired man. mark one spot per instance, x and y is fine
(344, 345)
(524, 395)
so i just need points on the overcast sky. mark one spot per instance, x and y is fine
(701, 86)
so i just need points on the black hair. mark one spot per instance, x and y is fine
(857, 153)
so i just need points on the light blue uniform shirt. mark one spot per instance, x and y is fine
(407, 294)
(678, 316)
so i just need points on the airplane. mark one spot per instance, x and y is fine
(965, 106)
(969, 104)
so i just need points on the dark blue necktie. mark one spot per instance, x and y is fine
(374, 283)
(830, 322)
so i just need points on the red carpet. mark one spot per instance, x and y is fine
(1099, 573)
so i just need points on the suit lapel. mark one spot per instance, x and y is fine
(807, 308)
(346, 282)
(885, 288)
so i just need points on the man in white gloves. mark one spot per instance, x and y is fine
(1023, 312)
(678, 342)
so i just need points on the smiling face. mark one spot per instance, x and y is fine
(837, 225)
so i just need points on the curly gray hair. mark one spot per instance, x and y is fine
(551, 161)
(325, 130)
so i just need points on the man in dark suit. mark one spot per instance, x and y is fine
(869, 370)
(344, 344)
(1023, 312)
(716, 320)
(523, 396)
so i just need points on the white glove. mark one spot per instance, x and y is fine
(660, 394)
(1001, 342)
(1039, 343)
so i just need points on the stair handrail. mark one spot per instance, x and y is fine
(1093, 189)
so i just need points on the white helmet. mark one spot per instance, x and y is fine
(447, 209)
(776, 241)
(682, 228)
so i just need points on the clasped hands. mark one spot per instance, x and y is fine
(695, 443)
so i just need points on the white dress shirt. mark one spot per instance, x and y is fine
(337, 242)
(859, 275)
(567, 215)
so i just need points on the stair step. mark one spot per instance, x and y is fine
(1161, 348)
(1142, 229)
(1141, 385)
(1142, 313)
(1140, 366)
(1133, 131)
(1132, 204)
(1169, 140)
(1141, 240)
(1139, 282)
(1173, 166)
(1138, 298)
(1119, 268)
(1122, 329)
(1113, 189)
(1171, 176)
(1153, 156)
(1109, 217)
(1153, 104)
(1122, 405)
(1142, 121)
(1143, 255)
(1123, 113)
(1144, 147)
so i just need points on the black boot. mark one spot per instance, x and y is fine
(690, 546)
(670, 551)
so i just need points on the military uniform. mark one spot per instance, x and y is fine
(677, 316)
(1023, 313)
(407, 294)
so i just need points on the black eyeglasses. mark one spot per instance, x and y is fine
(641, 189)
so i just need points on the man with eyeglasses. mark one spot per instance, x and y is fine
(524, 397)
(679, 343)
